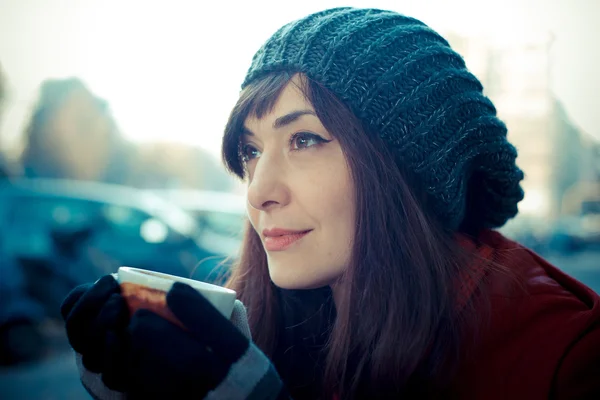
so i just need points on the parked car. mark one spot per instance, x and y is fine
(63, 233)
(576, 233)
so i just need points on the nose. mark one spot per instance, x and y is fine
(268, 188)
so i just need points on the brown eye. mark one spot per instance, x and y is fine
(304, 140)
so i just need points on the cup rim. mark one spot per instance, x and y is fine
(162, 281)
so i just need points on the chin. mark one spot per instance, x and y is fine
(291, 280)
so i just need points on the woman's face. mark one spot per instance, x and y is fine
(300, 193)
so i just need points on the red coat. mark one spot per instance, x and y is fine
(542, 343)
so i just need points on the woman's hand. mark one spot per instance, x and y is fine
(210, 357)
(96, 319)
(147, 356)
(167, 360)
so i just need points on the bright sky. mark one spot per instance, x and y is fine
(172, 69)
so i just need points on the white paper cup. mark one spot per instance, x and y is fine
(148, 289)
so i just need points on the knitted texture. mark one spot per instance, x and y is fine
(405, 83)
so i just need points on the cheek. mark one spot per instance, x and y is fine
(338, 230)
(335, 197)
(343, 214)
(253, 215)
(332, 205)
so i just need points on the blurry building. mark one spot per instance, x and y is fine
(169, 165)
(554, 154)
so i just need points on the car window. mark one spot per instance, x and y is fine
(31, 219)
(53, 212)
(121, 223)
(590, 207)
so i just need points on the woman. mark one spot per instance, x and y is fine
(376, 172)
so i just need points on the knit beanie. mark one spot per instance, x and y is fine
(404, 83)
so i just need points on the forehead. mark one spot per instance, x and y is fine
(291, 98)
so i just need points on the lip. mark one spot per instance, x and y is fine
(277, 239)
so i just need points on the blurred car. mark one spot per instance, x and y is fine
(531, 232)
(221, 215)
(576, 233)
(566, 234)
(64, 233)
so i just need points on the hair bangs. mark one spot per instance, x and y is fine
(256, 100)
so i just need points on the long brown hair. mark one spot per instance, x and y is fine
(398, 329)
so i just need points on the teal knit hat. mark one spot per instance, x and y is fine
(404, 82)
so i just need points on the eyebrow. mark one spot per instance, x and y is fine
(284, 120)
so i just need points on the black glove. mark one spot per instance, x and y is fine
(211, 353)
(96, 318)
(149, 357)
